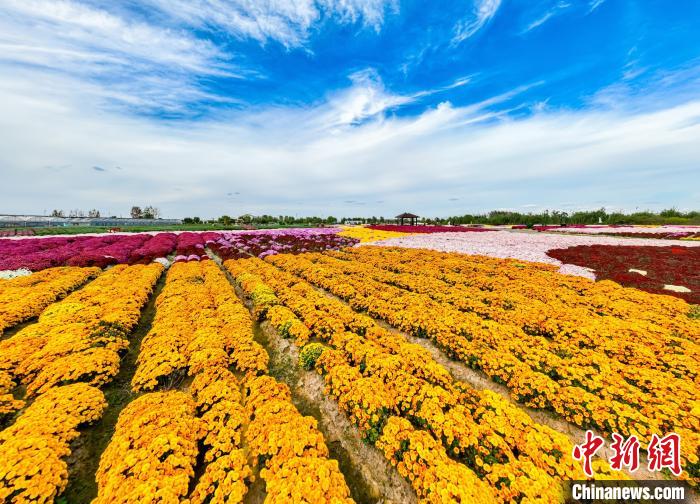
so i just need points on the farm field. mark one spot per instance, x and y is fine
(359, 364)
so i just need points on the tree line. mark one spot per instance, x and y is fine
(94, 213)
(496, 218)
(556, 217)
(148, 212)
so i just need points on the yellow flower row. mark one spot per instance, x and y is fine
(434, 476)
(413, 381)
(565, 361)
(32, 466)
(288, 325)
(8, 403)
(199, 322)
(153, 452)
(366, 400)
(217, 396)
(369, 235)
(297, 467)
(261, 295)
(567, 310)
(202, 327)
(25, 297)
(536, 377)
(80, 337)
(198, 314)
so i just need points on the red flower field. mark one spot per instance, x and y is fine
(664, 266)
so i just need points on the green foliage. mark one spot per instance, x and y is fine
(694, 312)
(310, 354)
(555, 217)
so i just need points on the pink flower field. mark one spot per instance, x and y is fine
(520, 245)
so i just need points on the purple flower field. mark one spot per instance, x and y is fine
(103, 250)
(279, 241)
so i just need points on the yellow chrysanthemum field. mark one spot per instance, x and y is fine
(345, 374)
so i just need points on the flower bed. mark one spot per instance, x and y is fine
(189, 244)
(269, 242)
(427, 229)
(164, 438)
(25, 297)
(381, 382)
(368, 234)
(80, 337)
(656, 266)
(197, 309)
(37, 254)
(656, 232)
(160, 245)
(545, 336)
(523, 246)
(16, 232)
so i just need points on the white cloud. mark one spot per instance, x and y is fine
(483, 12)
(540, 21)
(554, 11)
(288, 22)
(126, 61)
(594, 4)
(365, 99)
(157, 62)
(311, 160)
(53, 33)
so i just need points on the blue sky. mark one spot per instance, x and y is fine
(352, 107)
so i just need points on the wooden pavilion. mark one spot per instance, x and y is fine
(411, 218)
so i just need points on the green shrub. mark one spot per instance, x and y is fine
(310, 354)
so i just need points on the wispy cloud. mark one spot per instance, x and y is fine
(66, 32)
(483, 12)
(288, 22)
(546, 16)
(594, 4)
(368, 99)
(124, 60)
(158, 63)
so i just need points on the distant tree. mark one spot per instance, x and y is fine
(670, 212)
(246, 219)
(150, 212)
(331, 220)
(196, 220)
(187, 220)
(136, 212)
(57, 213)
(226, 220)
(94, 213)
(76, 213)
